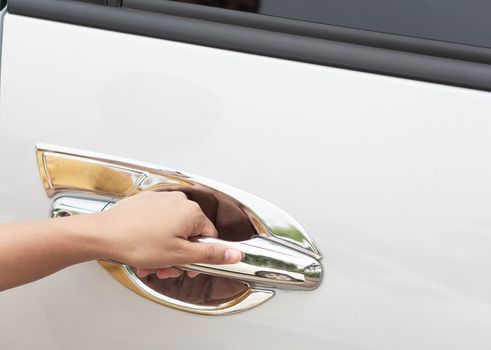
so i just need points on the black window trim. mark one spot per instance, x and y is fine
(387, 54)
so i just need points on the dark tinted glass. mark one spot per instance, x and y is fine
(461, 21)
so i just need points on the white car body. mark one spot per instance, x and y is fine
(390, 176)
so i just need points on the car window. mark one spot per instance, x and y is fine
(458, 21)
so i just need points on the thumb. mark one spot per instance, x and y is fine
(211, 253)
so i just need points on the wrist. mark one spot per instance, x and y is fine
(84, 234)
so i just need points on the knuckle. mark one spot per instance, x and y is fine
(148, 195)
(179, 194)
(210, 253)
(143, 194)
(180, 251)
(194, 207)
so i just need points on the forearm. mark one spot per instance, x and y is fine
(32, 250)
(150, 231)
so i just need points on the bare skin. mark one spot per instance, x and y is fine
(151, 231)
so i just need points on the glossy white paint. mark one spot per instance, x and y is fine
(390, 176)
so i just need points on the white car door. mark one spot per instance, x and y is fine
(377, 144)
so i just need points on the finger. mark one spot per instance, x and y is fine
(204, 227)
(209, 253)
(208, 228)
(192, 274)
(168, 272)
(178, 194)
(144, 272)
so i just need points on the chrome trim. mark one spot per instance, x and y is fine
(248, 300)
(73, 177)
(65, 206)
(119, 177)
(252, 297)
(266, 263)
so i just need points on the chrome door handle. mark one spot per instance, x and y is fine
(267, 261)
(278, 252)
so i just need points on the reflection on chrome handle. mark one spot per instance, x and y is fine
(267, 262)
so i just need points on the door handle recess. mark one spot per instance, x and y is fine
(266, 262)
(280, 255)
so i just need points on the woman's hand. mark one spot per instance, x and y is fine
(152, 231)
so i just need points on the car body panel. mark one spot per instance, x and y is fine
(391, 177)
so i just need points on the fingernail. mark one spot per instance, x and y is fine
(233, 255)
